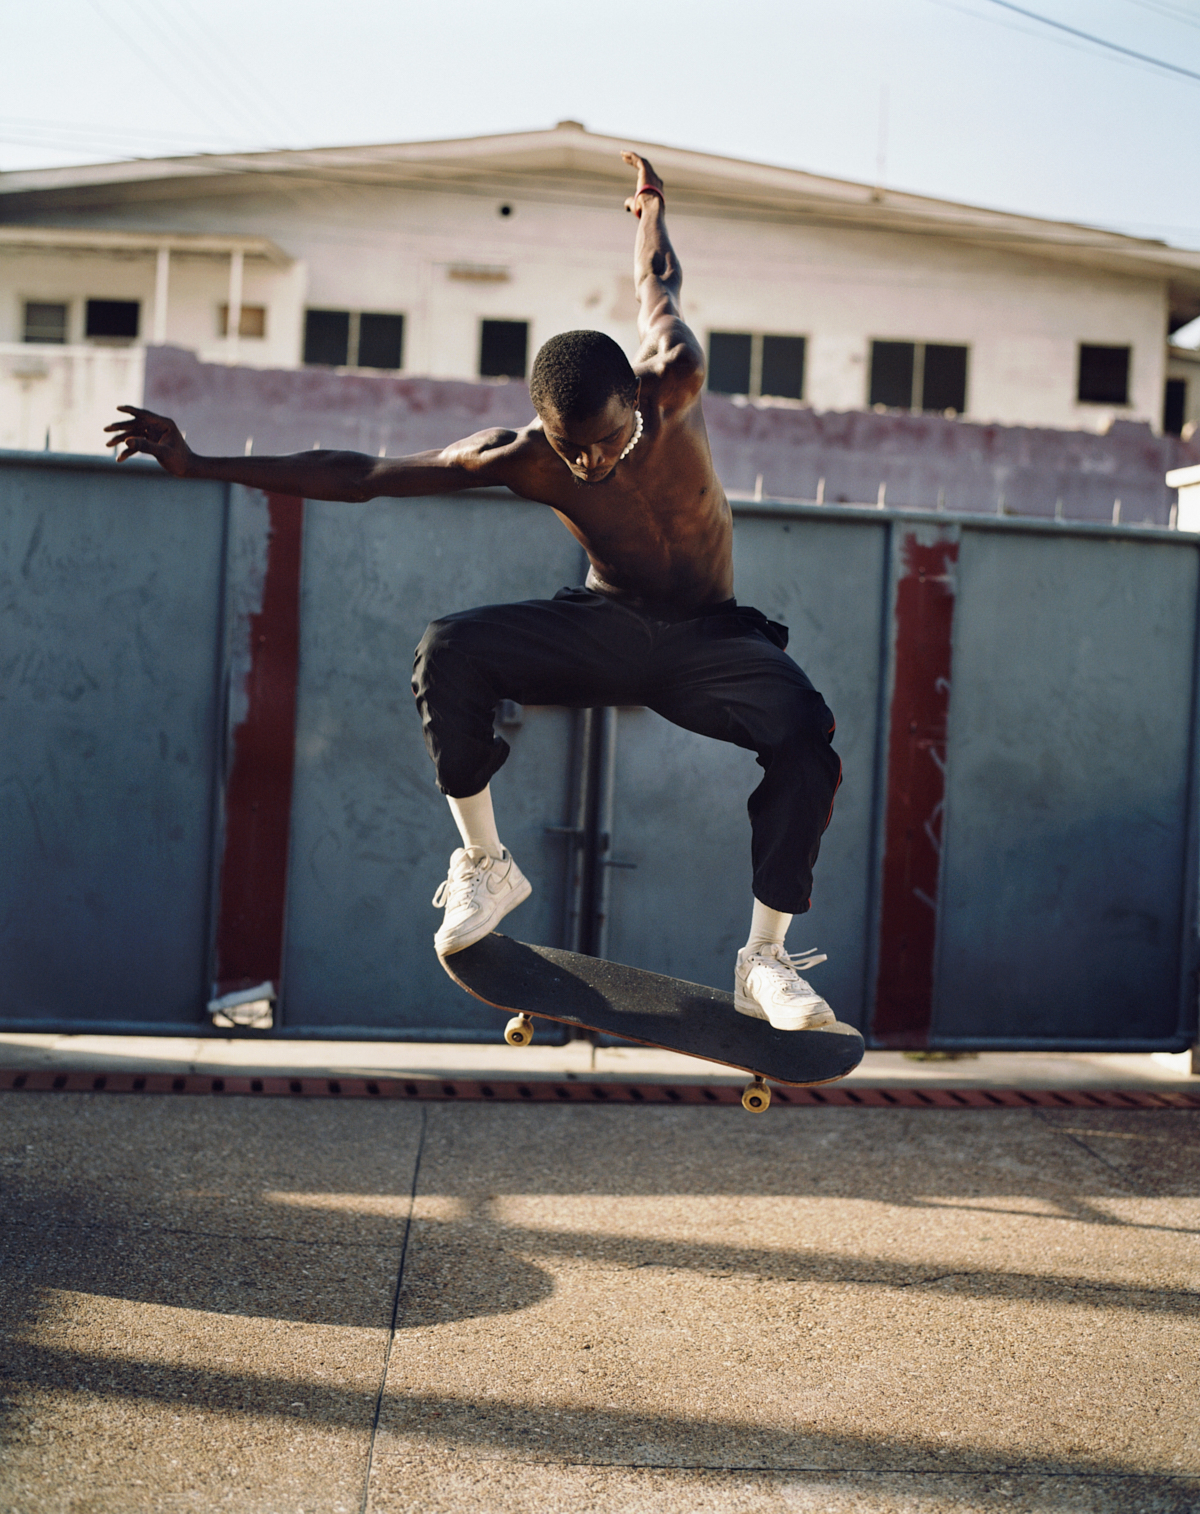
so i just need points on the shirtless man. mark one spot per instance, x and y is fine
(620, 454)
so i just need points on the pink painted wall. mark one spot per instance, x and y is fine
(975, 467)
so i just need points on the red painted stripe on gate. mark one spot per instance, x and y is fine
(258, 789)
(916, 789)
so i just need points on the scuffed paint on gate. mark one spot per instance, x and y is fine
(915, 785)
(260, 755)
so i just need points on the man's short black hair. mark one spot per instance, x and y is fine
(577, 372)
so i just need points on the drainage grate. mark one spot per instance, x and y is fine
(586, 1092)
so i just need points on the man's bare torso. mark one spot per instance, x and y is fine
(658, 528)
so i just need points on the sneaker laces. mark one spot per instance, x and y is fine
(796, 962)
(456, 889)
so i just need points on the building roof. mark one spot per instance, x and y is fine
(568, 163)
(88, 239)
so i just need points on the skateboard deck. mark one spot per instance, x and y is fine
(649, 1008)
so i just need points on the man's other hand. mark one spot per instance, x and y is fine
(646, 175)
(156, 435)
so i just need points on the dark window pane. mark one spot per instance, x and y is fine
(892, 374)
(327, 337)
(380, 341)
(1104, 375)
(112, 318)
(1174, 406)
(729, 362)
(783, 367)
(45, 323)
(503, 349)
(944, 385)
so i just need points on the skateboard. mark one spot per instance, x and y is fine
(649, 1008)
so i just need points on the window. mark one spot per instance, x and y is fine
(503, 349)
(918, 376)
(745, 362)
(252, 321)
(729, 360)
(45, 323)
(380, 341)
(944, 380)
(1175, 406)
(353, 339)
(782, 367)
(112, 318)
(1103, 375)
(327, 337)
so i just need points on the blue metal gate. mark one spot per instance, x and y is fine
(1012, 860)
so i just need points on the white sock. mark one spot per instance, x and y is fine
(476, 822)
(767, 926)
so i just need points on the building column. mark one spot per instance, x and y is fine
(234, 324)
(162, 278)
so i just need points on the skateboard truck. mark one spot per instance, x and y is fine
(756, 1097)
(519, 1031)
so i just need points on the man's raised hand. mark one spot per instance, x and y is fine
(156, 435)
(646, 176)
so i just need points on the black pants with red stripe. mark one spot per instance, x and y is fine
(722, 672)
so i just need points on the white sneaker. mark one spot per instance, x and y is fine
(478, 892)
(767, 985)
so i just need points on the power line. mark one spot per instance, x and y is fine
(224, 67)
(1169, 12)
(1115, 47)
(130, 40)
(1020, 28)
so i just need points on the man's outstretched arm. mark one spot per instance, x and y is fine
(668, 346)
(476, 462)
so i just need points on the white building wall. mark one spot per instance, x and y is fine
(568, 264)
(1022, 317)
(198, 286)
(59, 399)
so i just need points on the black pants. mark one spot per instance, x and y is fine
(722, 673)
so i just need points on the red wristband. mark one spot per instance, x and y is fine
(650, 189)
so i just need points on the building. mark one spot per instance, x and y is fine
(457, 259)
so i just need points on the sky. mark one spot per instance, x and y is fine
(961, 99)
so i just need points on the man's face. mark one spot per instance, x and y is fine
(591, 447)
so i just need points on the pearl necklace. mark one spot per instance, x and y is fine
(634, 439)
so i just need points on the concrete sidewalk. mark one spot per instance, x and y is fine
(575, 1059)
(270, 1306)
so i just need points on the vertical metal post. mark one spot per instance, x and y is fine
(591, 849)
(608, 785)
(590, 832)
(575, 831)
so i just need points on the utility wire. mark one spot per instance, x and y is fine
(225, 68)
(1115, 47)
(1169, 12)
(130, 40)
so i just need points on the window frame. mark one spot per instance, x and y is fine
(243, 336)
(126, 338)
(68, 313)
(757, 338)
(503, 320)
(1127, 349)
(920, 346)
(353, 338)
(1174, 383)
